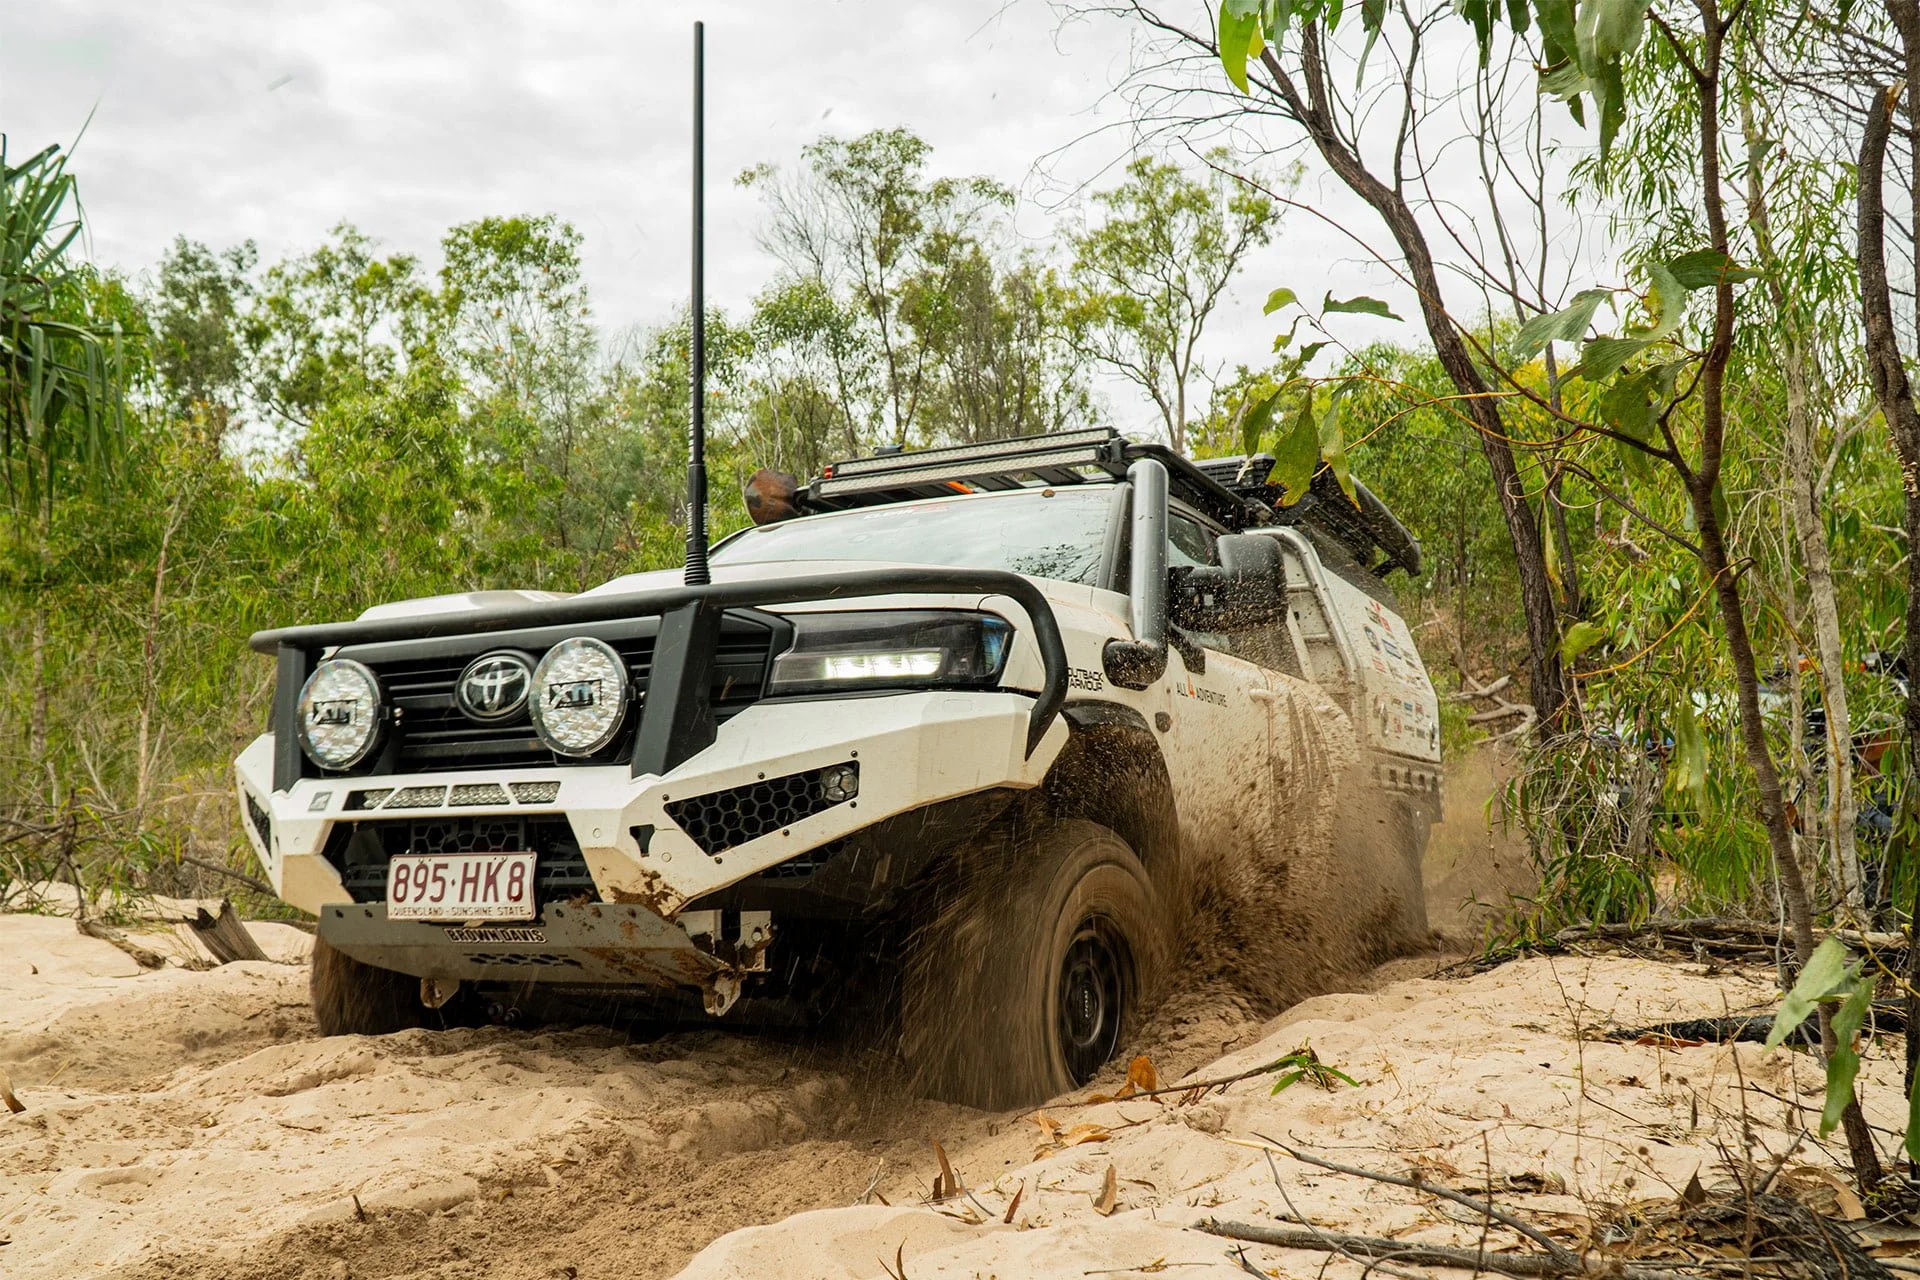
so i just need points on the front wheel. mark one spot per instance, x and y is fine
(355, 999)
(1038, 962)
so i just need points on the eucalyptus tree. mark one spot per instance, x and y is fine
(1307, 88)
(1152, 270)
(854, 230)
(1658, 386)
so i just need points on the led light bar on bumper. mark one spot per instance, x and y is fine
(913, 648)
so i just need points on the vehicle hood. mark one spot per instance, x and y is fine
(459, 602)
(755, 572)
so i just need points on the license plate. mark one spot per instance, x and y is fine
(461, 886)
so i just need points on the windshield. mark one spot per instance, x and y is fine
(1057, 533)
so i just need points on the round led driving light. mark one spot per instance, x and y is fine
(339, 714)
(839, 783)
(579, 696)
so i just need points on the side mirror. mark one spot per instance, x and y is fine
(1248, 589)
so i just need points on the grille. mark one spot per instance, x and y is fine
(807, 863)
(361, 851)
(720, 820)
(432, 732)
(530, 959)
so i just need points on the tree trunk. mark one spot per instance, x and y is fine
(1893, 392)
(1546, 676)
(1703, 486)
(1810, 534)
(37, 678)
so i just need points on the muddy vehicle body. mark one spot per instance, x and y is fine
(977, 714)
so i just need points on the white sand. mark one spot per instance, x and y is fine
(190, 1123)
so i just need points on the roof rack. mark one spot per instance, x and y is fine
(1234, 491)
(1362, 523)
(1058, 459)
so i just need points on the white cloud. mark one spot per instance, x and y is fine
(272, 121)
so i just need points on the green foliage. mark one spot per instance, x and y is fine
(1148, 276)
(61, 374)
(1830, 977)
(1304, 1064)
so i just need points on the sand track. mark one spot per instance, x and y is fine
(192, 1124)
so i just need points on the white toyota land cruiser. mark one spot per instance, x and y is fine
(974, 716)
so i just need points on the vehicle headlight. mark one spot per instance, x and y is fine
(579, 696)
(900, 648)
(340, 714)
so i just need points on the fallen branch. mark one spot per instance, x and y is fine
(254, 883)
(1721, 928)
(1827, 1249)
(1557, 1251)
(213, 921)
(107, 933)
(1204, 1086)
(1532, 1266)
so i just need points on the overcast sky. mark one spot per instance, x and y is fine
(272, 121)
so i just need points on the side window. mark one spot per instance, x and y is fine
(1189, 542)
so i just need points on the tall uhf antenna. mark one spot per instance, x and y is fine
(697, 573)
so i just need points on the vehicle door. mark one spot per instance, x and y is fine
(1310, 734)
(1218, 745)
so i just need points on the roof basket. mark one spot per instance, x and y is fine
(1363, 524)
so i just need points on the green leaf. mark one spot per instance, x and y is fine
(1610, 92)
(1580, 637)
(1480, 14)
(1238, 31)
(1825, 974)
(1282, 340)
(1602, 357)
(1689, 754)
(1705, 268)
(1254, 421)
(1626, 407)
(1309, 351)
(1913, 1127)
(1333, 448)
(1297, 453)
(1557, 36)
(1845, 1063)
(1362, 305)
(1666, 304)
(1278, 15)
(1607, 30)
(1550, 552)
(1569, 324)
(1566, 82)
(1277, 299)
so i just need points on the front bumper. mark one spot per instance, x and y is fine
(912, 749)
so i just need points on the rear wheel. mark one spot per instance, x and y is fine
(1030, 975)
(355, 999)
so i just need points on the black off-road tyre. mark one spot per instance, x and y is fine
(355, 999)
(1034, 968)
(1410, 916)
(1391, 847)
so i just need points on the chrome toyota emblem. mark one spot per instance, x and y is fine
(494, 686)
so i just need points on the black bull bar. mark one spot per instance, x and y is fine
(676, 716)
